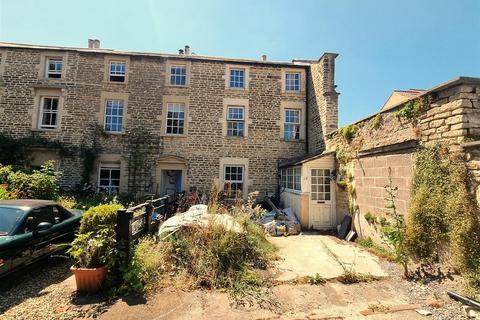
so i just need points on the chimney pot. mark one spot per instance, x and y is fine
(264, 57)
(90, 43)
(96, 44)
(187, 49)
(180, 51)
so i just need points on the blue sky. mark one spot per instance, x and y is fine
(383, 45)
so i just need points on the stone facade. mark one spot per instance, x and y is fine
(84, 88)
(386, 140)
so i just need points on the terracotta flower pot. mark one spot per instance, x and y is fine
(89, 280)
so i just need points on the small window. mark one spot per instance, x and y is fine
(54, 68)
(48, 112)
(237, 78)
(291, 178)
(321, 185)
(178, 75)
(292, 82)
(117, 71)
(113, 116)
(175, 118)
(109, 178)
(234, 180)
(235, 121)
(292, 124)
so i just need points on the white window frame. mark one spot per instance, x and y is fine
(291, 178)
(236, 78)
(233, 120)
(116, 103)
(290, 84)
(42, 111)
(297, 125)
(110, 187)
(174, 76)
(115, 72)
(230, 181)
(321, 186)
(49, 72)
(183, 119)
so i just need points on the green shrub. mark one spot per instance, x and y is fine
(40, 184)
(99, 217)
(348, 132)
(443, 215)
(94, 250)
(4, 194)
(146, 266)
(67, 202)
(370, 218)
(376, 121)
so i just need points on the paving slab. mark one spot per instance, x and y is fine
(310, 254)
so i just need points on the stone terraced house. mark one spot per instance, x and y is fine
(159, 123)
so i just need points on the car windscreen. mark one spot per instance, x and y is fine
(9, 217)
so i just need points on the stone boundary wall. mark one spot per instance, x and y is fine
(452, 116)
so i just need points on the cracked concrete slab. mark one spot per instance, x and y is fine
(308, 254)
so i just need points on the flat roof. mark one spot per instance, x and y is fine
(301, 63)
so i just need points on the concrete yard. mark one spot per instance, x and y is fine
(311, 254)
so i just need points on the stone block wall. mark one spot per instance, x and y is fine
(387, 140)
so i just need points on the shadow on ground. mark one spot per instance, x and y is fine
(31, 281)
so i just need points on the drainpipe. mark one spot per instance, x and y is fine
(307, 90)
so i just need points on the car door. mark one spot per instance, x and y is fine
(39, 241)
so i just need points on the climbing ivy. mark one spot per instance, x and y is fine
(348, 132)
(443, 220)
(414, 108)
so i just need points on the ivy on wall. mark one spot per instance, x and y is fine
(443, 222)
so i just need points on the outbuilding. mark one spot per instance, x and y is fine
(307, 185)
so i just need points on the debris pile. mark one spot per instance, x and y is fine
(280, 222)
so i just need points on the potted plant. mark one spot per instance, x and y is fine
(93, 255)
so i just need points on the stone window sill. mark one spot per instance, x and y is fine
(45, 130)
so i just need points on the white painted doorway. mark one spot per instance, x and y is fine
(321, 204)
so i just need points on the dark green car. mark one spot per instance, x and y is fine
(32, 229)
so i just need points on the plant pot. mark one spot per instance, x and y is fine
(89, 280)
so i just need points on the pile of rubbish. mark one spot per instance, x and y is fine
(198, 215)
(280, 222)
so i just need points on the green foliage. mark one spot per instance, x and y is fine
(342, 156)
(145, 267)
(394, 232)
(370, 218)
(100, 217)
(348, 132)
(377, 249)
(94, 249)
(351, 276)
(40, 184)
(67, 202)
(316, 279)
(342, 183)
(16, 151)
(376, 121)
(443, 215)
(414, 108)
(4, 193)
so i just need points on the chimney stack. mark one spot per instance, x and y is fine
(187, 49)
(93, 44)
(264, 57)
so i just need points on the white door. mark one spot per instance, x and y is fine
(320, 199)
